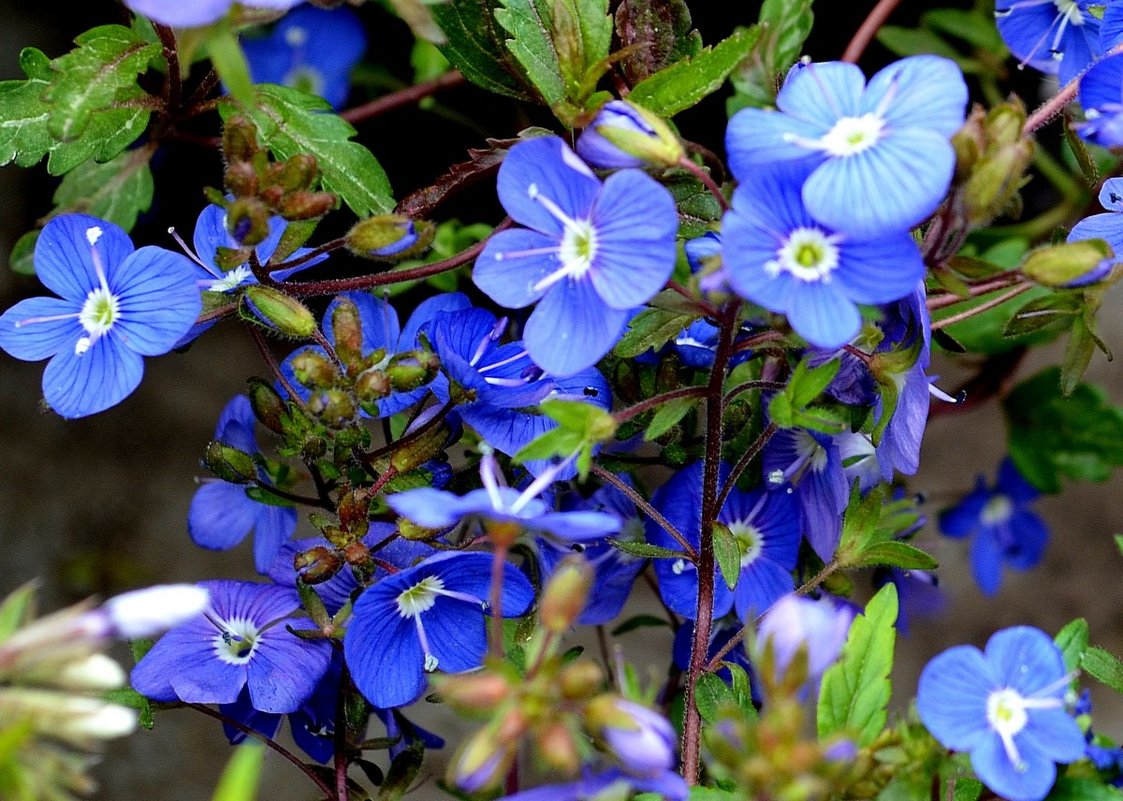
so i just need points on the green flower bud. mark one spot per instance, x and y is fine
(382, 236)
(247, 220)
(239, 139)
(279, 311)
(564, 596)
(268, 406)
(305, 205)
(625, 135)
(229, 463)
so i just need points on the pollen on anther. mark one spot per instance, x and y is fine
(93, 234)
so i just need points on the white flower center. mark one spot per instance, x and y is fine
(852, 135)
(236, 641)
(997, 510)
(234, 278)
(808, 253)
(296, 36)
(578, 248)
(750, 539)
(1070, 11)
(420, 597)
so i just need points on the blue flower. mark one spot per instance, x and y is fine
(591, 252)
(1006, 530)
(1101, 95)
(880, 154)
(311, 49)
(796, 622)
(498, 503)
(1005, 706)
(427, 617)
(194, 13)
(1107, 226)
(813, 464)
(642, 740)
(669, 786)
(117, 305)
(786, 258)
(1054, 36)
(765, 525)
(242, 640)
(221, 515)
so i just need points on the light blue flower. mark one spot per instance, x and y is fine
(880, 154)
(1107, 226)
(590, 253)
(194, 13)
(1054, 36)
(1101, 95)
(117, 305)
(1006, 707)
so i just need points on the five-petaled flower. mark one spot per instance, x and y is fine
(590, 253)
(117, 305)
(1006, 707)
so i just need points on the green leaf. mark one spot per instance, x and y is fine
(126, 696)
(973, 27)
(118, 190)
(639, 622)
(967, 789)
(225, 52)
(23, 112)
(15, 610)
(529, 24)
(290, 121)
(684, 83)
(711, 694)
(403, 770)
(476, 47)
(667, 416)
(698, 210)
(1078, 353)
(855, 691)
(1103, 666)
(100, 73)
(785, 25)
(659, 33)
(896, 554)
(727, 551)
(706, 794)
(1083, 788)
(1050, 436)
(1054, 312)
(1072, 640)
(645, 550)
(742, 689)
(240, 779)
(651, 329)
(914, 41)
(791, 407)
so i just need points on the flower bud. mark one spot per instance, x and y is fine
(405, 377)
(625, 135)
(247, 220)
(76, 719)
(565, 594)
(239, 139)
(314, 370)
(317, 564)
(372, 386)
(557, 747)
(93, 672)
(416, 452)
(305, 205)
(284, 314)
(481, 763)
(296, 173)
(334, 406)
(241, 179)
(581, 679)
(268, 406)
(1068, 263)
(794, 622)
(379, 237)
(640, 738)
(147, 612)
(473, 694)
(348, 330)
(229, 463)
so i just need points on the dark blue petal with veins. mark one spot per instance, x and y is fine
(63, 259)
(571, 328)
(1061, 36)
(547, 164)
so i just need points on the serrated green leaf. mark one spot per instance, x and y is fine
(1073, 642)
(742, 689)
(529, 24)
(651, 329)
(290, 121)
(476, 47)
(897, 554)
(698, 209)
(23, 112)
(711, 695)
(1050, 436)
(667, 416)
(639, 622)
(785, 25)
(118, 190)
(684, 83)
(242, 775)
(557, 442)
(1103, 666)
(645, 550)
(727, 552)
(101, 72)
(855, 691)
(967, 789)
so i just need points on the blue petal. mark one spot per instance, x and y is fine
(951, 697)
(881, 270)
(1053, 732)
(235, 425)
(471, 573)
(427, 507)
(822, 315)
(919, 92)
(994, 768)
(761, 584)
(1026, 541)
(635, 221)
(578, 526)
(426, 311)
(273, 526)
(1026, 659)
(571, 328)
(159, 300)
(1027, 31)
(197, 675)
(220, 515)
(963, 518)
(509, 278)
(887, 189)
(1011, 482)
(32, 341)
(1108, 227)
(184, 14)
(823, 92)
(986, 561)
(757, 137)
(383, 652)
(556, 173)
(284, 669)
(457, 634)
(103, 376)
(64, 259)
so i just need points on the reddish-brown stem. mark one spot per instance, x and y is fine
(324, 787)
(702, 305)
(498, 561)
(173, 86)
(939, 301)
(646, 508)
(271, 360)
(748, 386)
(658, 400)
(703, 619)
(402, 97)
(743, 463)
(706, 180)
(756, 341)
(341, 760)
(982, 307)
(868, 29)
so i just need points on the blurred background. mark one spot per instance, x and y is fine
(99, 505)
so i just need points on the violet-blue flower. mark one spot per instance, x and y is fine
(1101, 96)
(880, 154)
(612, 783)
(1054, 36)
(195, 13)
(641, 739)
(312, 49)
(221, 515)
(1004, 705)
(428, 617)
(117, 305)
(242, 640)
(1006, 530)
(765, 525)
(590, 253)
(812, 463)
(796, 622)
(779, 254)
(1107, 226)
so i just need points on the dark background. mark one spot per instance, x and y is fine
(99, 505)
